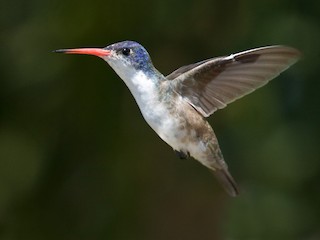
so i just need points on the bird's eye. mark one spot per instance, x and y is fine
(126, 51)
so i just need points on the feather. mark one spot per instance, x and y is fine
(211, 84)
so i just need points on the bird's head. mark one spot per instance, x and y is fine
(124, 57)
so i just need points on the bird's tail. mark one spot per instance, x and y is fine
(227, 181)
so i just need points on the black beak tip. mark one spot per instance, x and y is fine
(59, 51)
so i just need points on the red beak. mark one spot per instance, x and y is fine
(99, 52)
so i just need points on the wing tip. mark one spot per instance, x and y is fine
(283, 49)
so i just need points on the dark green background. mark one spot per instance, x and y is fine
(77, 160)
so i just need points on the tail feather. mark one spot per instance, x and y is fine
(227, 181)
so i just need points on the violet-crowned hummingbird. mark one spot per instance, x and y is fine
(175, 106)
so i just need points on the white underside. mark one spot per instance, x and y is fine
(156, 113)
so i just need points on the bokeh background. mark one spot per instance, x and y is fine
(77, 160)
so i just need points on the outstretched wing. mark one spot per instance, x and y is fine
(212, 84)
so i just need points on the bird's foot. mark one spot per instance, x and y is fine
(182, 155)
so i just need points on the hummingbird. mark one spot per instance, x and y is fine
(176, 106)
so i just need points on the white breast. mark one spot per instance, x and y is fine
(155, 112)
(146, 94)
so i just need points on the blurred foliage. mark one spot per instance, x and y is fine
(77, 160)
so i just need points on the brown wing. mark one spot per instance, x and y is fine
(212, 84)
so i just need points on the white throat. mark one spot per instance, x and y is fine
(143, 89)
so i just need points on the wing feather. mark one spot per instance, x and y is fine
(211, 84)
